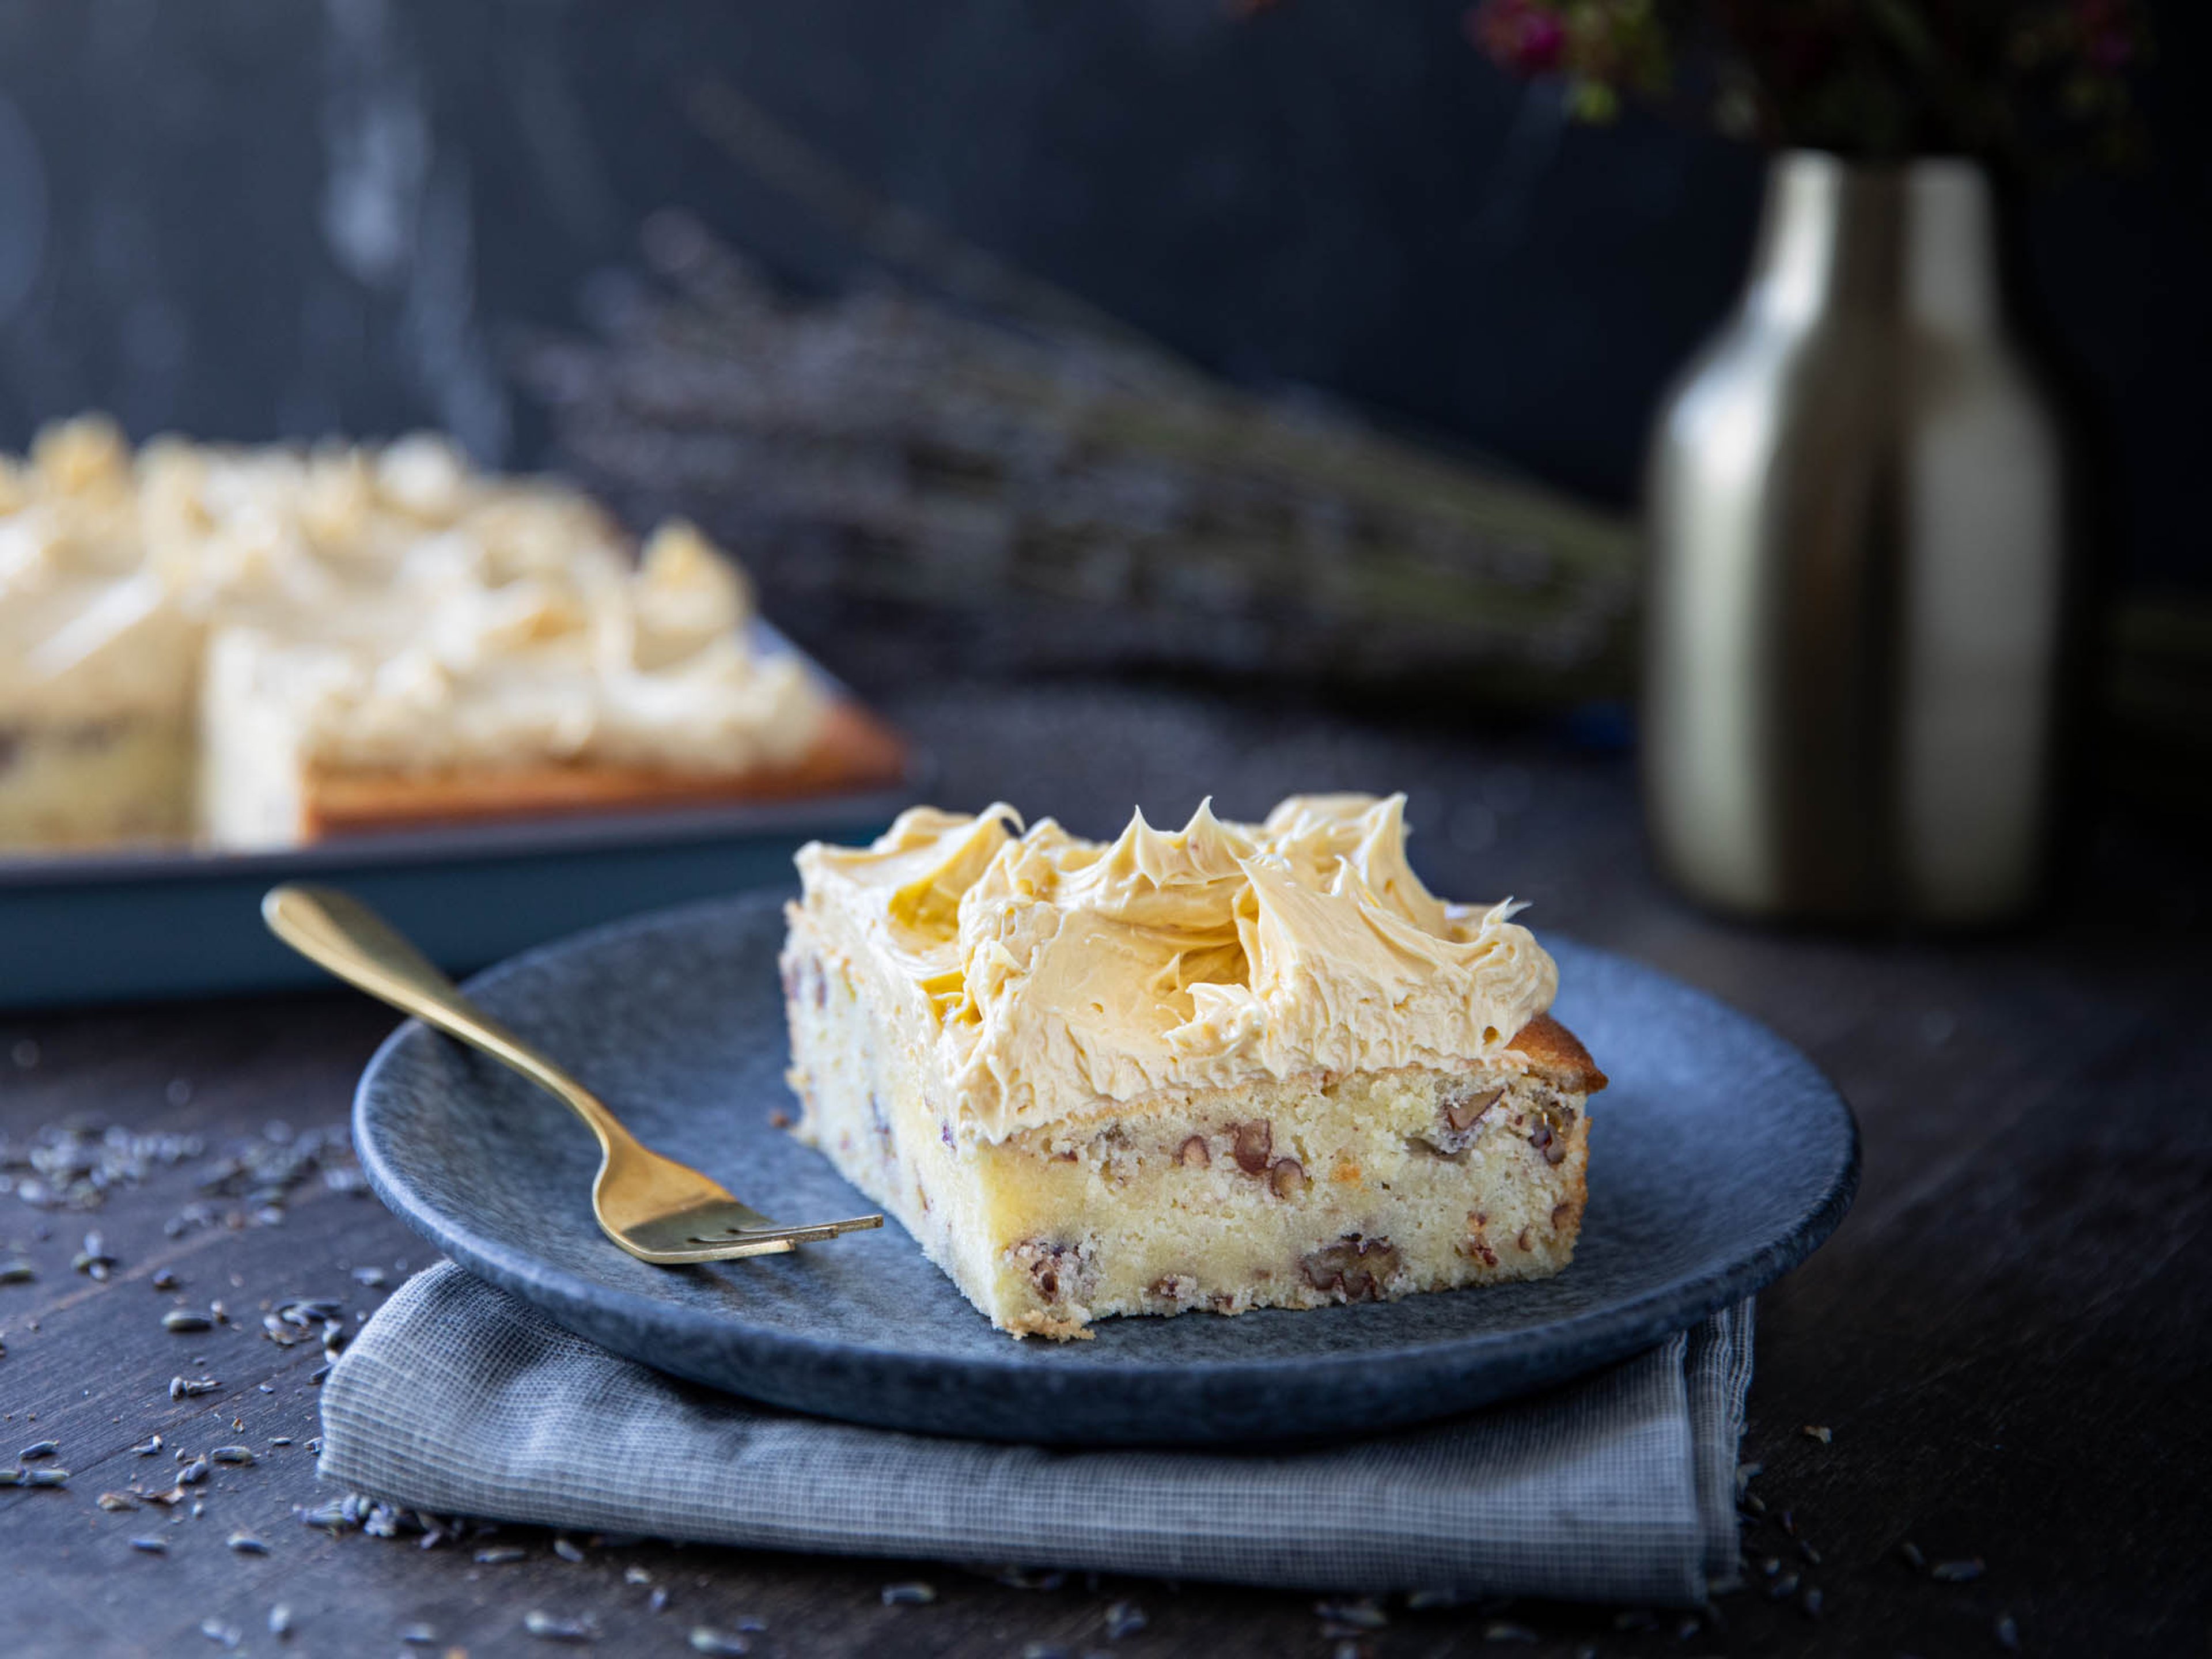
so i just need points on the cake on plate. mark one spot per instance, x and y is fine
(258, 648)
(1228, 1066)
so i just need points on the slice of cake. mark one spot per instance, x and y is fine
(557, 691)
(1236, 1065)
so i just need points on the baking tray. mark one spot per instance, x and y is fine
(122, 925)
(176, 922)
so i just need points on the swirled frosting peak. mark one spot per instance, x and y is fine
(1054, 976)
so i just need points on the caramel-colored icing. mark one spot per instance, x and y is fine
(402, 611)
(1045, 977)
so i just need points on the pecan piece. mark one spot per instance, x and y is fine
(1255, 1145)
(1462, 1109)
(1554, 1146)
(1195, 1154)
(1179, 1290)
(1477, 1244)
(1061, 1273)
(1355, 1267)
(1287, 1178)
(1462, 1106)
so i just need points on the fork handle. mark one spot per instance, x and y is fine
(337, 932)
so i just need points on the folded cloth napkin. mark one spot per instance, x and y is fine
(457, 1398)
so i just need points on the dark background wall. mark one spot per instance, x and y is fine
(254, 218)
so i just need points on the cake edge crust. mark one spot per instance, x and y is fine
(854, 750)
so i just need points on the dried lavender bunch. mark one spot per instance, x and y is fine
(1018, 495)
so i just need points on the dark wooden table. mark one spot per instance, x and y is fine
(2008, 1341)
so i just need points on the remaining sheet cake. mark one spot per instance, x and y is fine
(265, 646)
(1230, 1066)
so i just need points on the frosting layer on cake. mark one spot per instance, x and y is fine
(1042, 975)
(403, 611)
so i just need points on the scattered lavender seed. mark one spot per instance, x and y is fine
(184, 1322)
(546, 1628)
(1501, 1630)
(1635, 1618)
(567, 1550)
(371, 1277)
(11, 1477)
(1957, 1572)
(37, 1449)
(1043, 1650)
(216, 1630)
(1689, 1627)
(16, 1273)
(500, 1554)
(1912, 1557)
(1754, 1503)
(245, 1544)
(232, 1454)
(114, 1501)
(1788, 1522)
(1784, 1588)
(163, 1280)
(193, 1473)
(417, 1636)
(151, 1545)
(1812, 1604)
(1364, 1614)
(1125, 1618)
(657, 1602)
(634, 1574)
(1820, 1432)
(48, 1477)
(183, 1388)
(280, 1440)
(705, 1638)
(316, 1375)
(913, 1593)
(2008, 1633)
(1770, 1566)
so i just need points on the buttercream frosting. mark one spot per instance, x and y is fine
(1054, 976)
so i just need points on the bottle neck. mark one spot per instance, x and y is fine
(1915, 242)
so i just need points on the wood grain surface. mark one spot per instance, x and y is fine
(2009, 1342)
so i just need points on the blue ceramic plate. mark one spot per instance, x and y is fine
(1720, 1159)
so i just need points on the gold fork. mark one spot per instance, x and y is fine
(657, 1209)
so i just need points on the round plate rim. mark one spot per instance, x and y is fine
(1597, 1336)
